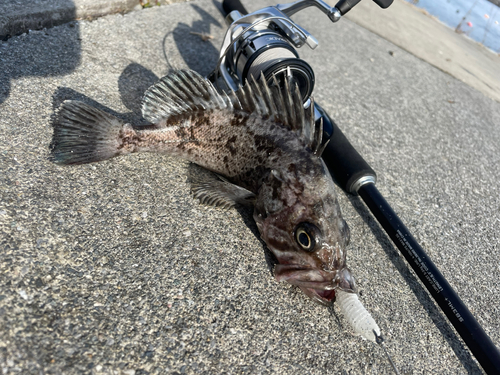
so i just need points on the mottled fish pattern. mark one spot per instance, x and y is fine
(260, 140)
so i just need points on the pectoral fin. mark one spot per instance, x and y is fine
(215, 190)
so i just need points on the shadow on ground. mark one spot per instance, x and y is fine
(40, 56)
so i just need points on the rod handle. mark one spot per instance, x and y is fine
(346, 165)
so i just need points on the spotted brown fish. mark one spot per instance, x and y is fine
(264, 145)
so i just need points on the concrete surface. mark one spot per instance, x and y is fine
(411, 28)
(113, 268)
(18, 16)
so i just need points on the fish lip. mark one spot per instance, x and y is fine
(318, 284)
(306, 277)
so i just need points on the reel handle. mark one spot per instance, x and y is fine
(230, 5)
(383, 3)
(343, 5)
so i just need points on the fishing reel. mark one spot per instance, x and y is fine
(265, 42)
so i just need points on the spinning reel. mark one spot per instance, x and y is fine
(266, 41)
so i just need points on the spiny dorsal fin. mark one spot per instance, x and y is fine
(283, 105)
(184, 92)
(180, 92)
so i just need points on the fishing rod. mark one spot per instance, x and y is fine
(264, 41)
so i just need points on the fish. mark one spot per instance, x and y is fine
(264, 147)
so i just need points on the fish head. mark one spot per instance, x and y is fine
(299, 218)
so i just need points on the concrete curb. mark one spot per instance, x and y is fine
(16, 18)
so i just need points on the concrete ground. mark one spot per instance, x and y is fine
(415, 31)
(113, 268)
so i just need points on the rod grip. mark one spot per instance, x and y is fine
(346, 165)
(230, 5)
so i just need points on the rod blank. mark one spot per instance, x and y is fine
(450, 303)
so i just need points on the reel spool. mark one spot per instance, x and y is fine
(268, 52)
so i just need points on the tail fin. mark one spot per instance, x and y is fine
(83, 134)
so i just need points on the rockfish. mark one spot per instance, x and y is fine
(264, 145)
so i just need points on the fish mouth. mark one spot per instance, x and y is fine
(317, 284)
(324, 297)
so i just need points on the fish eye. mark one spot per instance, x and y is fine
(305, 235)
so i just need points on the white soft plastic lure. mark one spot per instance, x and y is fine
(358, 317)
(361, 321)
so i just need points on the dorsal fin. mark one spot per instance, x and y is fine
(284, 105)
(185, 92)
